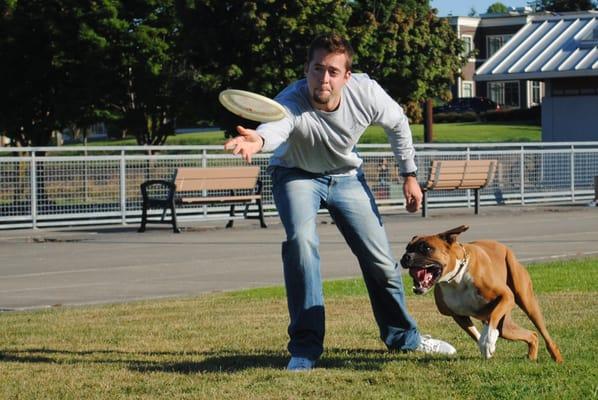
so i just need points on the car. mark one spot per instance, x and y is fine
(468, 104)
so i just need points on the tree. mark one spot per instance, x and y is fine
(568, 5)
(497, 8)
(146, 64)
(257, 46)
(76, 63)
(52, 73)
(412, 53)
(151, 77)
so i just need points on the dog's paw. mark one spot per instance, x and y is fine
(487, 341)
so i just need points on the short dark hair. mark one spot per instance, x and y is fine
(331, 43)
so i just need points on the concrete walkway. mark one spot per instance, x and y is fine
(40, 268)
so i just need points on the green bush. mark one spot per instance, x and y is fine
(455, 117)
(533, 114)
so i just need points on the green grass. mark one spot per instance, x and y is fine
(232, 346)
(195, 138)
(469, 132)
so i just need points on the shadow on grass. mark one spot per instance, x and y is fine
(346, 359)
(217, 362)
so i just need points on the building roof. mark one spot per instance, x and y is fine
(553, 47)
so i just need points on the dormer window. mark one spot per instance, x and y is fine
(495, 42)
(467, 45)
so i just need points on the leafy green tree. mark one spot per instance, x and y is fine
(497, 8)
(257, 46)
(568, 5)
(147, 64)
(51, 75)
(151, 79)
(76, 63)
(412, 53)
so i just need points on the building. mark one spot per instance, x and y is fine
(560, 52)
(483, 36)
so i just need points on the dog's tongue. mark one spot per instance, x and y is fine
(421, 275)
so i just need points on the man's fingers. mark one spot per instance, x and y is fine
(244, 144)
(412, 205)
(245, 154)
(241, 149)
(233, 143)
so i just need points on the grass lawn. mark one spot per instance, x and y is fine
(468, 132)
(232, 346)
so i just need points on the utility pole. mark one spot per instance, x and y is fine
(428, 122)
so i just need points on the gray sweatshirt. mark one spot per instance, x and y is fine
(324, 142)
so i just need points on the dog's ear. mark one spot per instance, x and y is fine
(413, 239)
(451, 235)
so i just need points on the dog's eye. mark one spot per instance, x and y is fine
(423, 248)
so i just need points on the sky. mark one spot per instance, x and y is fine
(462, 7)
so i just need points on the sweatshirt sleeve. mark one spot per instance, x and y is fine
(391, 117)
(274, 133)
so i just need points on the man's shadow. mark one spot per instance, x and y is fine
(349, 359)
(231, 362)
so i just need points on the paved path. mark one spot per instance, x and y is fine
(114, 264)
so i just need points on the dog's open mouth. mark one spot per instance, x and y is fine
(424, 277)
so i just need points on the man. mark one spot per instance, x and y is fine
(315, 164)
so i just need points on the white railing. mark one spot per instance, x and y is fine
(52, 186)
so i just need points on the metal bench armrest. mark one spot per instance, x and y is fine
(168, 185)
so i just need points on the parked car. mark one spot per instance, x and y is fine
(468, 104)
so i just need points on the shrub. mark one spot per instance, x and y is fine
(455, 117)
(533, 114)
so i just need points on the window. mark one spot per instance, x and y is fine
(535, 93)
(467, 89)
(467, 45)
(495, 42)
(506, 94)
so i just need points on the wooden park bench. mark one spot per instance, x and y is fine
(192, 185)
(458, 174)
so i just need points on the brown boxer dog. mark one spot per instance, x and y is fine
(481, 279)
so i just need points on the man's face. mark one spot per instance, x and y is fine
(326, 75)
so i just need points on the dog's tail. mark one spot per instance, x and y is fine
(521, 284)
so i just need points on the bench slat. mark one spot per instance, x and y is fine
(218, 199)
(472, 163)
(461, 170)
(192, 185)
(218, 178)
(457, 177)
(217, 172)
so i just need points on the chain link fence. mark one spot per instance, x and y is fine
(53, 186)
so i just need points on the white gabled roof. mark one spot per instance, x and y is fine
(544, 48)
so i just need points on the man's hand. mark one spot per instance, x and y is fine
(246, 144)
(413, 194)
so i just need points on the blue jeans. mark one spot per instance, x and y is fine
(298, 196)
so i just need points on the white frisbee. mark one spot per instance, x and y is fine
(251, 105)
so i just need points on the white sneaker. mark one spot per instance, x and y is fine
(300, 364)
(429, 345)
